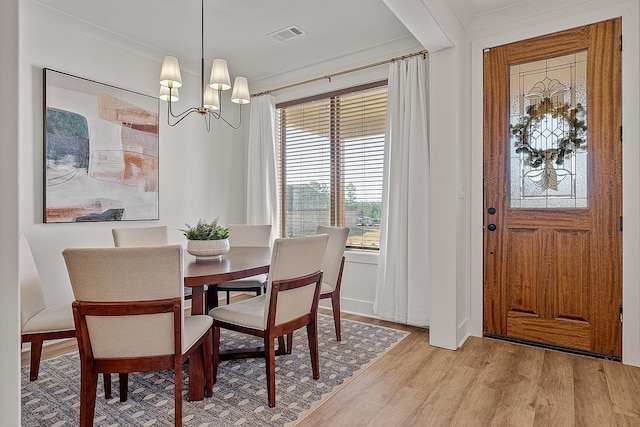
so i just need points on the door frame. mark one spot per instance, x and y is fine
(629, 11)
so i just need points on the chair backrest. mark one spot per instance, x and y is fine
(122, 276)
(335, 251)
(249, 235)
(31, 293)
(291, 258)
(140, 236)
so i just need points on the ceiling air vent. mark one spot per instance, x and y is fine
(286, 33)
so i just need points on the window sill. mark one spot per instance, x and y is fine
(361, 256)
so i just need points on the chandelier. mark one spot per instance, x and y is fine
(171, 80)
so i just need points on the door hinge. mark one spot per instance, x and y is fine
(620, 223)
(621, 314)
(620, 43)
(620, 133)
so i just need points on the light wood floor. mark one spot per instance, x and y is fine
(485, 383)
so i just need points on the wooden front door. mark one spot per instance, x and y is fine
(553, 190)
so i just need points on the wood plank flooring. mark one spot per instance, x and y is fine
(485, 383)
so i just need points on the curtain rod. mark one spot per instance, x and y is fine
(330, 76)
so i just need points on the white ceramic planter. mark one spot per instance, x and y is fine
(208, 249)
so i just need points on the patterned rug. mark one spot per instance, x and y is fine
(239, 395)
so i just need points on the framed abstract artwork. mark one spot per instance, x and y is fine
(100, 151)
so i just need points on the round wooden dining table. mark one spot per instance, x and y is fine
(238, 263)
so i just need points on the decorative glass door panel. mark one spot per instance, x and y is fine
(548, 133)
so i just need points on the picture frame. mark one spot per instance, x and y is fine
(101, 151)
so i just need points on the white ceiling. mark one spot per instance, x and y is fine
(480, 7)
(237, 29)
(476, 15)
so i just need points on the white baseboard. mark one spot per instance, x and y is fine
(353, 306)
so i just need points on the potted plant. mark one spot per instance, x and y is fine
(206, 240)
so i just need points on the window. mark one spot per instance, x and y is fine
(331, 153)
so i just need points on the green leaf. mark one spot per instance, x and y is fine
(205, 231)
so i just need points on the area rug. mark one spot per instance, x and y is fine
(239, 395)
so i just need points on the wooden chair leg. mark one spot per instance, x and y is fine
(197, 380)
(335, 307)
(282, 349)
(216, 352)
(289, 343)
(88, 391)
(106, 378)
(312, 333)
(36, 353)
(177, 394)
(270, 364)
(228, 297)
(124, 386)
(207, 348)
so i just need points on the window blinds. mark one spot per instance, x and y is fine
(331, 154)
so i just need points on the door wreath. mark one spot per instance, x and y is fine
(573, 138)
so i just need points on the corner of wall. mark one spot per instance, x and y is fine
(9, 226)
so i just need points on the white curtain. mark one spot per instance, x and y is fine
(403, 288)
(262, 182)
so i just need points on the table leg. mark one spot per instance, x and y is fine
(198, 301)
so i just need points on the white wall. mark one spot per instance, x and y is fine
(201, 175)
(449, 142)
(9, 295)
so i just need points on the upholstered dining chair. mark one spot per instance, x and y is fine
(291, 302)
(143, 236)
(39, 322)
(140, 236)
(243, 235)
(332, 268)
(128, 313)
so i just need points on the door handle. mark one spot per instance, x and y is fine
(492, 227)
